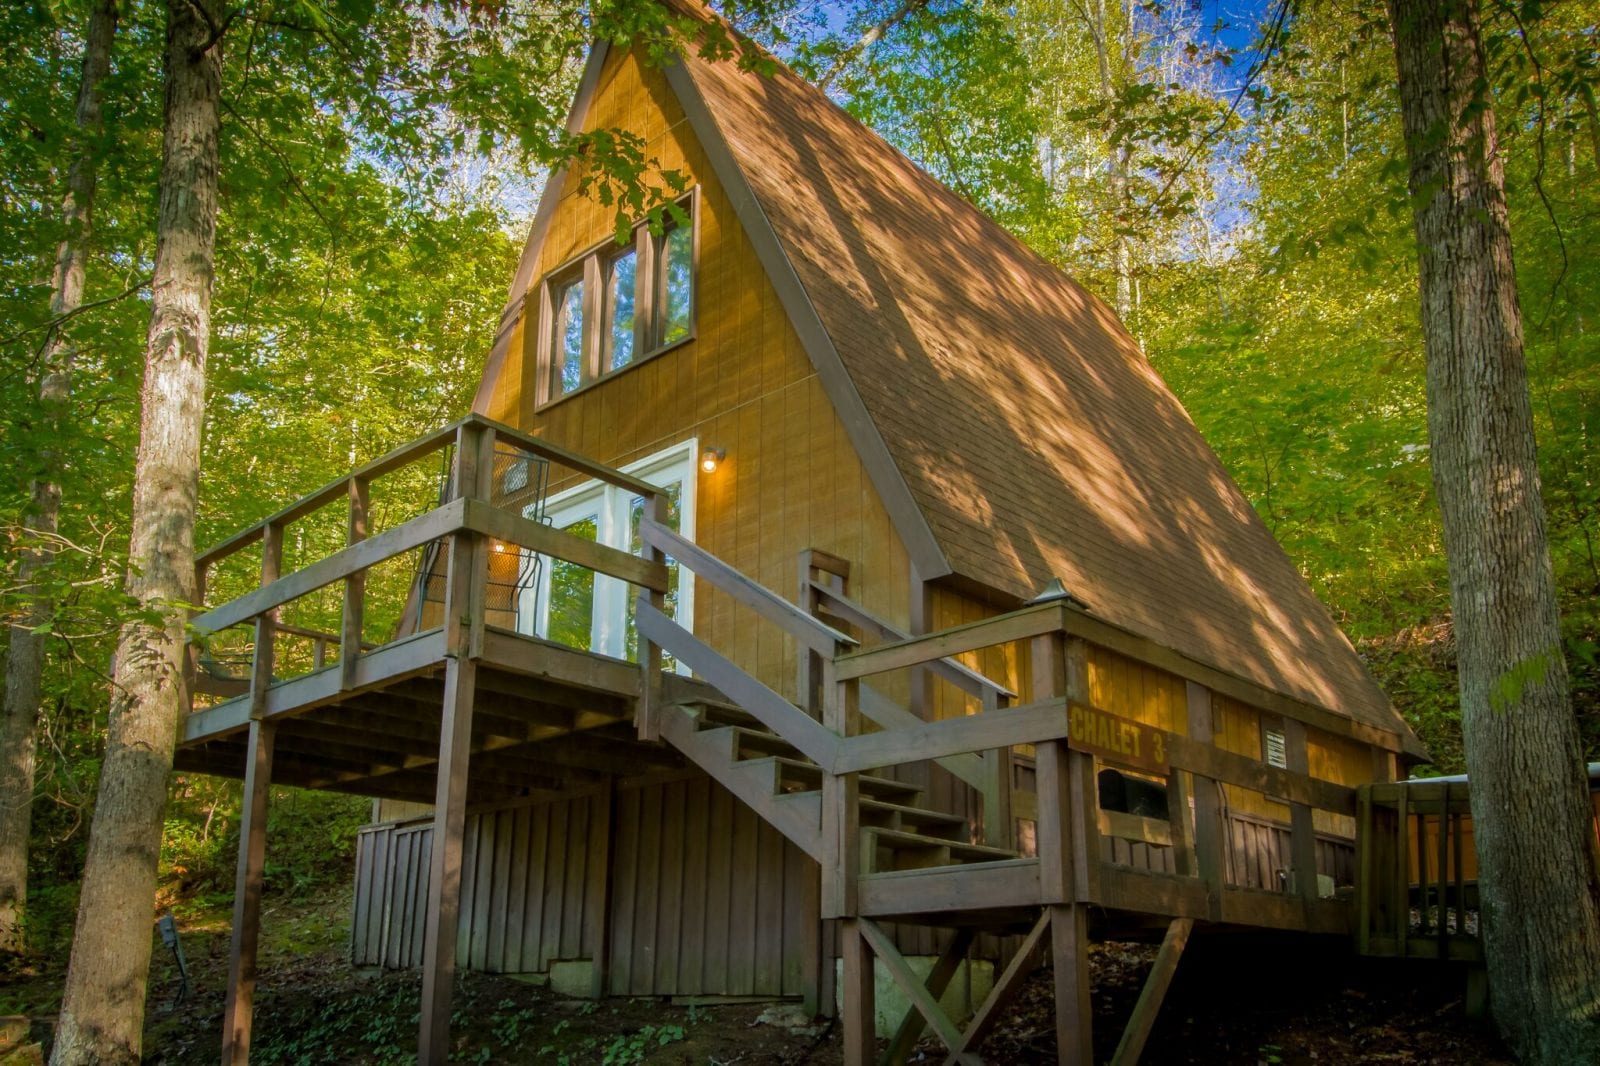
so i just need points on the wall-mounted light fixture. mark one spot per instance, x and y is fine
(711, 458)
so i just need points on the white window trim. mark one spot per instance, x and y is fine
(611, 505)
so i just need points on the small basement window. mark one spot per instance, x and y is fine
(1129, 794)
(616, 305)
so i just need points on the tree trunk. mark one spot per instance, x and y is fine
(1530, 805)
(25, 656)
(1118, 168)
(102, 1012)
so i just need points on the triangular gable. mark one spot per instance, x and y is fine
(1033, 436)
(1006, 419)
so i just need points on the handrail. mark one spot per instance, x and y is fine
(816, 741)
(454, 517)
(916, 651)
(809, 630)
(1033, 723)
(337, 489)
(963, 677)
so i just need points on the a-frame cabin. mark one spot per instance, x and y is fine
(823, 577)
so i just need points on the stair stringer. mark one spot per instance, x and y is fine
(797, 817)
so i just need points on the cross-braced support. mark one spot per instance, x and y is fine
(1070, 953)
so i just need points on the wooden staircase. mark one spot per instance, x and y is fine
(784, 787)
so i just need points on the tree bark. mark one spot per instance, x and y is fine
(102, 1013)
(25, 655)
(1118, 165)
(1530, 804)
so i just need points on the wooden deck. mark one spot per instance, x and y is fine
(469, 713)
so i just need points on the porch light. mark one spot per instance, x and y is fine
(711, 457)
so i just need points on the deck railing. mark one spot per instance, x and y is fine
(479, 518)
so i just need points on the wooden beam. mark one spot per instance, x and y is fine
(415, 533)
(1210, 836)
(238, 1011)
(808, 629)
(969, 768)
(960, 675)
(860, 1006)
(817, 742)
(444, 868)
(1303, 832)
(1144, 650)
(1030, 724)
(355, 587)
(1006, 986)
(944, 969)
(915, 651)
(922, 1000)
(1131, 1046)
(547, 540)
(648, 708)
(1069, 935)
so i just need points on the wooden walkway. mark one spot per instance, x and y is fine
(469, 713)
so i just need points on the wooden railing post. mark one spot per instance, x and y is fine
(1085, 811)
(1209, 832)
(841, 807)
(1302, 827)
(191, 656)
(648, 715)
(355, 587)
(1050, 761)
(466, 574)
(266, 621)
(997, 824)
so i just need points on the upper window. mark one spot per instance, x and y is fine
(617, 304)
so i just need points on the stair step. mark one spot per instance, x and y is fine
(712, 713)
(914, 850)
(796, 775)
(881, 814)
(758, 744)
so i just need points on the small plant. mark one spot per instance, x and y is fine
(630, 1049)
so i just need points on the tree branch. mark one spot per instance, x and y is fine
(873, 35)
(60, 320)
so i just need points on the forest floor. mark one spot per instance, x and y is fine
(1240, 1001)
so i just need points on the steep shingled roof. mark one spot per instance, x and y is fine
(1034, 438)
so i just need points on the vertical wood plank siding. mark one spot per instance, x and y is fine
(706, 899)
(791, 479)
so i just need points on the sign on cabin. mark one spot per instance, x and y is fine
(1116, 739)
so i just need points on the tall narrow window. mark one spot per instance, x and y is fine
(676, 271)
(615, 305)
(567, 346)
(622, 277)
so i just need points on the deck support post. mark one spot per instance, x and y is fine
(649, 705)
(238, 1012)
(860, 1006)
(1209, 836)
(444, 866)
(1143, 1019)
(1069, 935)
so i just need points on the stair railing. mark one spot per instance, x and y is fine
(824, 579)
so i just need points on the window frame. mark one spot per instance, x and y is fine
(593, 265)
(611, 504)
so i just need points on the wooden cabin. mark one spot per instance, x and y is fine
(823, 580)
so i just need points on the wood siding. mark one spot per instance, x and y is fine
(706, 898)
(791, 478)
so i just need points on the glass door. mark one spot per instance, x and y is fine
(571, 605)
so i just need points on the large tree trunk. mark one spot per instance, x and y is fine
(1118, 165)
(1530, 806)
(25, 656)
(102, 1012)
